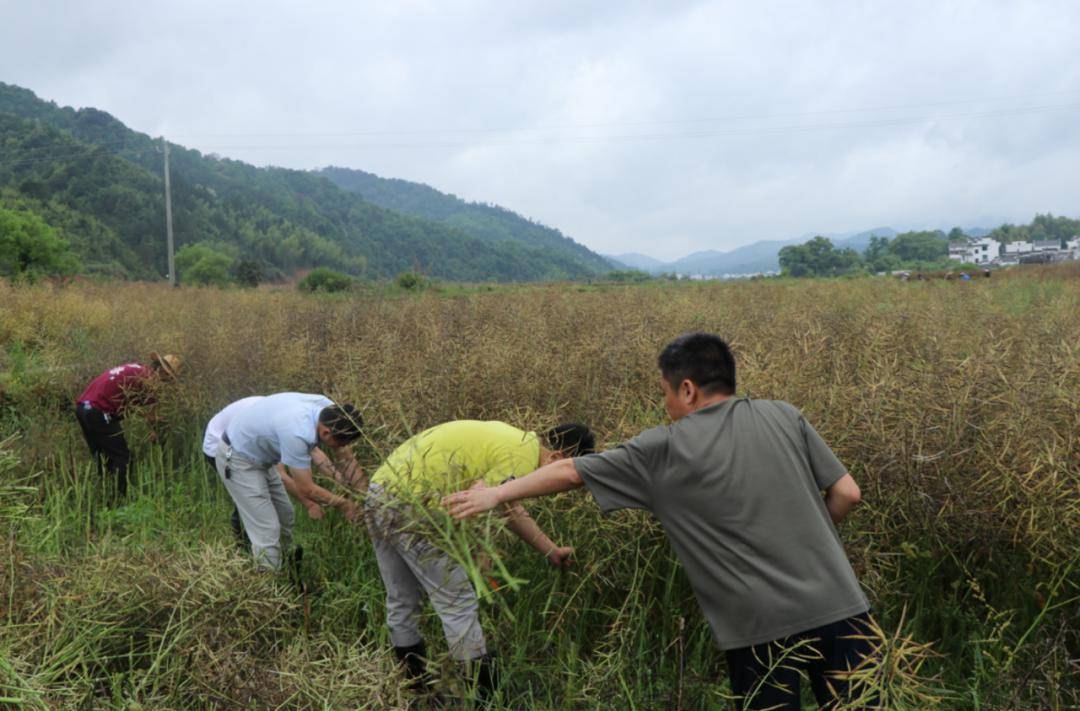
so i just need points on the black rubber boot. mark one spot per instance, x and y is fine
(296, 557)
(414, 659)
(487, 679)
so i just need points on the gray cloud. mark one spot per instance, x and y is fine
(654, 127)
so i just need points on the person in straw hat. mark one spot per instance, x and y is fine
(105, 402)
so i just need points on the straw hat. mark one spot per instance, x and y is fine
(168, 362)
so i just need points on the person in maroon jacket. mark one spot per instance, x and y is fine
(102, 406)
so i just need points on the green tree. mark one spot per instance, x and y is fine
(249, 273)
(877, 255)
(1011, 233)
(1048, 227)
(29, 248)
(203, 265)
(818, 257)
(920, 246)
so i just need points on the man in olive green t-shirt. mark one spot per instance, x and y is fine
(445, 458)
(736, 484)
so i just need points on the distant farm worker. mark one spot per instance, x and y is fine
(212, 437)
(110, 397)
(736, 484)
(417, 474)
(285, 428)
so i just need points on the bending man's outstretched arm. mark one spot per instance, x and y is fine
(558, 476)
(346, 471)
(521, 523)
(314, 510)
(307, 488)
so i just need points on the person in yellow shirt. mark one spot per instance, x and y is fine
(417, 475)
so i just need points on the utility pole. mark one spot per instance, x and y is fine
(168, 215)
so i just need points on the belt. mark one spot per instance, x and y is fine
(228, 455)
(88, 406)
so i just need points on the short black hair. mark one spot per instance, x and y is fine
(344, 422)
(702, 358)
(571, 439)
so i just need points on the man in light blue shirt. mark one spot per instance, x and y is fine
(286, 428)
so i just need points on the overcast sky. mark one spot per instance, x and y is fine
(661, 128)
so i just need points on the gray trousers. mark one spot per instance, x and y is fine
(263, 503)
(409, 565)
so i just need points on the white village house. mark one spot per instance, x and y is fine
(981, 250)
(984, 250)
(1019, 247)
(1040, 251)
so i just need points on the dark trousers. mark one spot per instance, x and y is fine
(105, 435)
(237, 526)
(767, 675)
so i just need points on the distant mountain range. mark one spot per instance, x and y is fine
(755, 258)
(99, 184)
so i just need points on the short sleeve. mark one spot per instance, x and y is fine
(823, 463)
(621, 478)
(294, 451)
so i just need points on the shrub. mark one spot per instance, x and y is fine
(326, 280)
(413, 281)
(202, 265)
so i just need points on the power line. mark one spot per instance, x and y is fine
(91, 151)
(628, 124)
(102, 144)
(705, 133)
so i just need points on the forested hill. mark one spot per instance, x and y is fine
(490, 223)
(99, 185)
